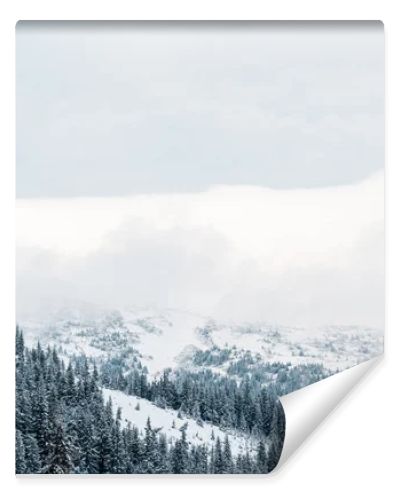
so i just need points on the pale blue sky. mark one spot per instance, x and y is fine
(110, 110)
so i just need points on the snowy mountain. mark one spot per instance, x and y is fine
(198, 381)
(171, 339)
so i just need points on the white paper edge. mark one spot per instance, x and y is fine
(306, 408)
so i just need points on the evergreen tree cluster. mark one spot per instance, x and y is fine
(284, 377)
(63, 425)
(247, 405)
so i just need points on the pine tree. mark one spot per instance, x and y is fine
(202, 461)
(19, 344)
(247, 464)
(266, 411)
(40, 417)
(212, 460)
(162, 463)
(227, 457)
(262, 461)
(273, 456)
(119, 456)
(104, 449)
(179, 458)
(59, 460)
(70, 393)
(149, 457)
(32, 455)
(219, 464)
(20, 464)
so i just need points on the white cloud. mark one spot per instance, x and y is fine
(244, 253)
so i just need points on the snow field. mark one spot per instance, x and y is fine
(164, 420)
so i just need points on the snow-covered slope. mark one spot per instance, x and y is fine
(169, 338)
(137, 410)
(165, 337)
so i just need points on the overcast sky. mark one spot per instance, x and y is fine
(109, 110)
(232, 170)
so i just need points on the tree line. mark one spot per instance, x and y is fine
(246, 405)
(63, 425)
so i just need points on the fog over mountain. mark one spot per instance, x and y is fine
(238, 253)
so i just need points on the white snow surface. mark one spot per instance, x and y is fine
(168, 338)
(174, 333)
(163, 420)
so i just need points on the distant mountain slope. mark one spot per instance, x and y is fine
(171, 339)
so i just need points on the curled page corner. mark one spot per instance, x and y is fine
(306, 408)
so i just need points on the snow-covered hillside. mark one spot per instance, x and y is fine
(138, 410)
(169, 338)
(199, 381)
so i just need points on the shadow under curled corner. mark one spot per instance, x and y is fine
(305, 409)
